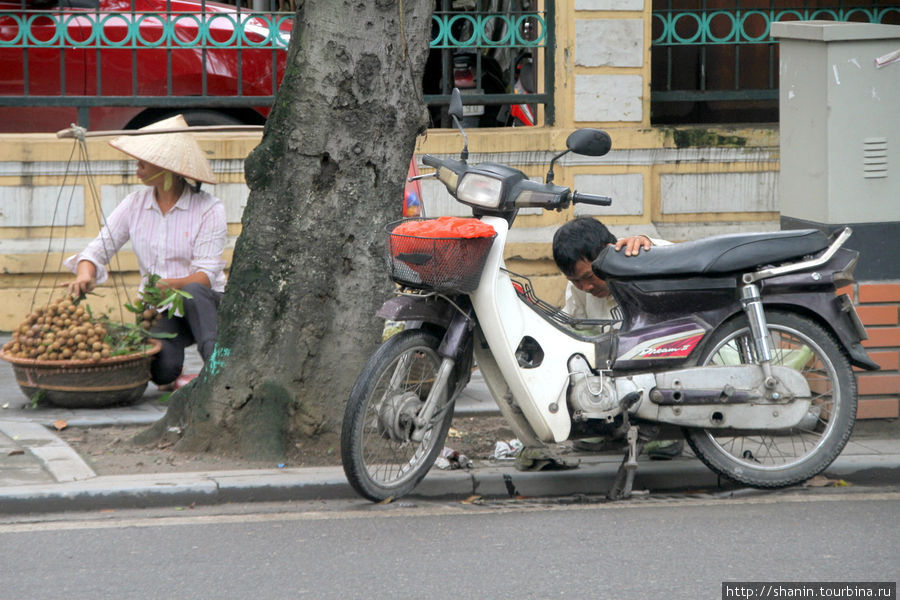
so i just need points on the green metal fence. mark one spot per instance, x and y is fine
(79, 36)
(703, 51)
(501, 48)
(78, 55)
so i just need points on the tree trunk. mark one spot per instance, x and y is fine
(297, 321)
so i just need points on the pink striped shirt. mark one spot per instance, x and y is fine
(188, 239)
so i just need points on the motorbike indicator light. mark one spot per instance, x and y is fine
(480, 190)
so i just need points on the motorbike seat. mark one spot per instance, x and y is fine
(716, 255)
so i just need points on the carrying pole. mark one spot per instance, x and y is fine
(80, 132)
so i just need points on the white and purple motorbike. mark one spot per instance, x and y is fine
(739, 341)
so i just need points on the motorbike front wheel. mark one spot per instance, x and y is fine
(773, 459)
(382, 454)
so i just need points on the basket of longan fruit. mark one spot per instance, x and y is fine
(63, 355)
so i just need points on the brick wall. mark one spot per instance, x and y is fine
(878, 304)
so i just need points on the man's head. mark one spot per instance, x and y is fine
(575, 246)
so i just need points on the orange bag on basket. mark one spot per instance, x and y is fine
(419, 235)
(445, 227)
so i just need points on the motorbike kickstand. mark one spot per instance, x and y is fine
(621, 488)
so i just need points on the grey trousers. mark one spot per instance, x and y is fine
(198, 325)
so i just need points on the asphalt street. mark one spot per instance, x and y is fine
(679, 547)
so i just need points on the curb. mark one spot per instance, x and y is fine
(593, 478)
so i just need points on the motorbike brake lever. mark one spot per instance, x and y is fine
(425, 176)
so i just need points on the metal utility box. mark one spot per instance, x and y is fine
(840, 122)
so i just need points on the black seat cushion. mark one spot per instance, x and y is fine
(712, 256)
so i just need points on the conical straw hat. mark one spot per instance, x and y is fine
(177, 152)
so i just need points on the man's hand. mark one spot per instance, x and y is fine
(633, 244)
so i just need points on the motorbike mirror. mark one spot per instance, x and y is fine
(456, 105)
(456, 113)
(589, 142)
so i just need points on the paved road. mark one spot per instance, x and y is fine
(665, 548)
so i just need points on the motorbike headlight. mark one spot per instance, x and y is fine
(480, 190)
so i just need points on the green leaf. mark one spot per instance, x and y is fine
(161, 335)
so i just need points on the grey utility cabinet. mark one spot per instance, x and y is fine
(840, 121)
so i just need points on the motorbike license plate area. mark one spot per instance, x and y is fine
(847, 306)
(473, 110)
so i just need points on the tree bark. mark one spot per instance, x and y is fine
(297, 320)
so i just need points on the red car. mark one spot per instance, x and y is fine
(122, 48)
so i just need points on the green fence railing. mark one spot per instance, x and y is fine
(673, 27)
(78, 55)
(493, 56)
(715, 54)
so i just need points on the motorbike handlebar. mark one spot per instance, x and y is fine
(431, 161)
(580, 198)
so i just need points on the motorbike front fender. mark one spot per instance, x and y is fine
(426, 309)
(452, 320)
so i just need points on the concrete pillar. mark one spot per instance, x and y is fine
(840, 135)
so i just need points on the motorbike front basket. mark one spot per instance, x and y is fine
(450, 265)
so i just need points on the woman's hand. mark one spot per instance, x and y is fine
(85, 279)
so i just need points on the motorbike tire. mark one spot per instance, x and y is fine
(775, 459)
(380, 459)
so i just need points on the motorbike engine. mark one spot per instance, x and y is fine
(591, 396)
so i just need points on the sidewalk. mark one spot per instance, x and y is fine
(41, 473)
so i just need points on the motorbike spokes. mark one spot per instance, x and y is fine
(784, 457)
(379, 450)
(388, 449)
(784, 447)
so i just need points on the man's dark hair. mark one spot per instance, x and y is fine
(582, 238)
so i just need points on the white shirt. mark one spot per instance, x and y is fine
(188, 239)
(583, 305)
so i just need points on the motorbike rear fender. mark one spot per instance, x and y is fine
(833, 313)
(812, 293)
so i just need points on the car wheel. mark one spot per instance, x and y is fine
(192, 116)
(208, 117)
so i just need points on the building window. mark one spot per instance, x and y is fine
(496, 52)
(714, 61)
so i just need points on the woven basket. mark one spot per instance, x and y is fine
(85, 383)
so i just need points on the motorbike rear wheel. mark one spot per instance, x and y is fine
(773, 459)
(380, 456)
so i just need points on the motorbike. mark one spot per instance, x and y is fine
(739, 342)
(465, 68)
